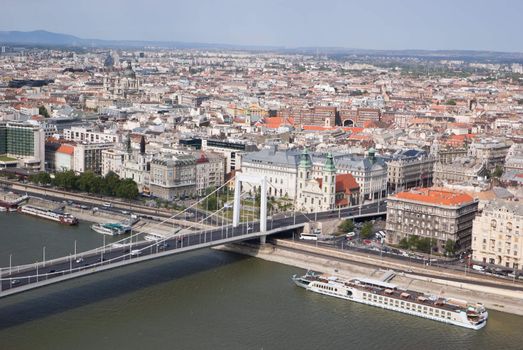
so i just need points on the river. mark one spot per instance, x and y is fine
(204, 300)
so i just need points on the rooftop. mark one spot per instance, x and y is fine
(436, 196)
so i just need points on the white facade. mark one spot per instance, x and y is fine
(81, 134)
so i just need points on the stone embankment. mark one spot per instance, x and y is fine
(346, 264)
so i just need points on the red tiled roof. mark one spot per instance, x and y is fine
(66, 149)
(346, 183)
(435, 196)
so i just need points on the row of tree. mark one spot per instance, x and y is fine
(108, 185)
(425, 244)
(348, 226)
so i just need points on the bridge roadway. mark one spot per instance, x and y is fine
(22, 278)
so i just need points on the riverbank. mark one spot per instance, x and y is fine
(494, 298)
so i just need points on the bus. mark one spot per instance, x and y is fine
(309, 236)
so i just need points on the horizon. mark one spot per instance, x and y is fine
(248, 46)
(376, 25)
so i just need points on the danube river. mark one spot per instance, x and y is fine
(203, 300)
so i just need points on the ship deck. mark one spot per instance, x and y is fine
(397, 293)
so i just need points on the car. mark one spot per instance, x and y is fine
(15, 282)
(350, 235)
(79, 260)
(136, 252)
(125, 212)
(367, 241)
(249, 228)
(478, 268)
(107, 205)
(52, 271)
(163, 245)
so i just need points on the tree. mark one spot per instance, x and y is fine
(425, 244)
(451, 102)
(211, 203)
(41, 178)
(127, 189)
(109, 184)
(450, 247)
(497, 172)
(404, 243)
(346, 226)
(87, 182)
(366, 230)
(65, 179)
(43, 111)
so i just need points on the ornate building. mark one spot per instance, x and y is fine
(327, 192)
(121, 83)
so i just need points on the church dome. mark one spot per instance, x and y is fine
(129, 72)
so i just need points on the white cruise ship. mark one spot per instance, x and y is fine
(389, 296)
(63, 218)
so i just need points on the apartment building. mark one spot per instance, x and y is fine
(173, 176)
(433, 213)
(409, 168)
(497, 234)
(88, 135)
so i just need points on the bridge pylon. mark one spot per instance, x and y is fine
(252, 179)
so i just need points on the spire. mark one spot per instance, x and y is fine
(128, 143)
(142, 145)
(329, 164)
(372, 155)
(305, 159)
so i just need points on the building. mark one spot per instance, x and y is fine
(87, 135)
(64, 158)
(173, 176)
(319, 115)
(433, 213)
(229, 149)
(497, 234)
(121, 83)
(409, 168)
(88, 157)
(210, 171)
(113, 160)
(22, 145)
(280, 168)
(514, 158)
(327, 192)
(491, 151)
(464, 170)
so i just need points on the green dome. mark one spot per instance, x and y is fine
(329, 164)
(305, 159)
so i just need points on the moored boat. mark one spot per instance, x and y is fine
(389, 296)
(111, 229)
(63, 218)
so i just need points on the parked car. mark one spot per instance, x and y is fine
(478, 268)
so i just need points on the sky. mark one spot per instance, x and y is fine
(494, 25)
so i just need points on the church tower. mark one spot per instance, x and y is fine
(304, 174)
(329, 183)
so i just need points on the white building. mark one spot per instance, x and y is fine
(87, 135)
(497, 234)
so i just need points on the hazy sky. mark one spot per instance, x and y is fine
(373, 24)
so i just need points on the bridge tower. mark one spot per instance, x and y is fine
(257, 180)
